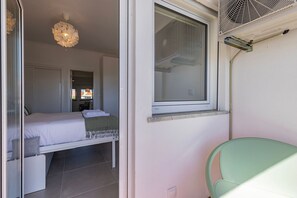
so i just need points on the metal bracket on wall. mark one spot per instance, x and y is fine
(239, 43)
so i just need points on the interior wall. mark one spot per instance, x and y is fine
(167, 153)
(110, 88)
(43, 90)
(265, 95)
(54, 56)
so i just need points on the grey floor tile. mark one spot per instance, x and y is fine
(101, 147)
(53, 188)
(83, 180)
(85, 170)
(85, 159)
(115, 172)
(110, 191)
(80, 151)
(57, 166)
(75, 152)
(59, 155)
(107, 151)
(107, 154)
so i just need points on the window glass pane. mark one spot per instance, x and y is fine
(73, 94)
(14, 100)
(180, 57)
(86, 94)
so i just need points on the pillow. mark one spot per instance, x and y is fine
(26, 111)
(31, 147)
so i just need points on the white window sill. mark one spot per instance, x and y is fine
(185, 115)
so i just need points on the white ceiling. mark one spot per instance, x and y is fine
(213, 4)
(96, 21)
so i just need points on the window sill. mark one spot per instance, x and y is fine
(185, 115)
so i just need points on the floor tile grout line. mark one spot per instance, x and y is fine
(106, 162)
(83, 167)
(110, 170)
(104, 155)
(49, 174)
(97, 188)
(62, 179)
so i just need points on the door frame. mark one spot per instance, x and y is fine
(125, 173)
(3, 99)
(3, 96)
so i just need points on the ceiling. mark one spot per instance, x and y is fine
(213, 4)
(95, 20)
(161, 21)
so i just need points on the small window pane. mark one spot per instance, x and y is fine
(86, 94)
(73, 94)
(180, 57)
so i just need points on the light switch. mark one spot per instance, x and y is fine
(191, 92)
(171, 192)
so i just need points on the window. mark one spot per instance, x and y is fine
(181, 78)
(73, 94)
(86, 94)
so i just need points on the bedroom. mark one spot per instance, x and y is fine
(60, 82)
(166, 155)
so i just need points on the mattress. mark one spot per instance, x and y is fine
(55, 128)
(59, 128)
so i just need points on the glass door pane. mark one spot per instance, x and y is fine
(14, 99)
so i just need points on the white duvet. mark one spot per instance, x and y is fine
(55, 128)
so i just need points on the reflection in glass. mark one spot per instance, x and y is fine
(180, 57)
(14, 96)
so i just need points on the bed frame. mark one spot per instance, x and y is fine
(39, 157)
(36, 167)
(87, 142)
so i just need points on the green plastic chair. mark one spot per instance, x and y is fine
(242, 159)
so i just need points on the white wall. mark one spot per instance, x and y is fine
(265, 90)
(110, 86)
(167, 153)
(43, 90)
(45, 55)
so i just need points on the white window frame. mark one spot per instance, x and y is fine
(211, 84)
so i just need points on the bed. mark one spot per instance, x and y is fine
(62, 131)
(46, 133)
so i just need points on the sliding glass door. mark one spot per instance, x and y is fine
(12, 98)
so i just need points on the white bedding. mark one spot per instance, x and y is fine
(55, 128)
(94, 113)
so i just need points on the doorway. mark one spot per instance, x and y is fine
(14, 84)
(82, 90)
(91, 143)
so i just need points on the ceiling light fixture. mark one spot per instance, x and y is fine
(10, 22)
(65, 34)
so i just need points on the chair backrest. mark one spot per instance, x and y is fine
(243, 158)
